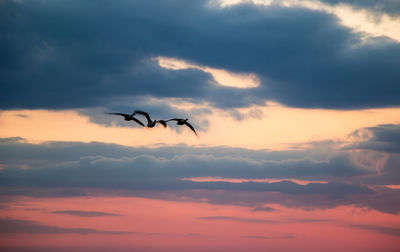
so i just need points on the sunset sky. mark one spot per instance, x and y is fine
(296, 104)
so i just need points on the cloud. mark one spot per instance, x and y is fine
(287, 236)
(61, 58)
(112, 166)
(263, 209)
(157, 109)
(385, 138)
(379, 229)
(253, 220)
(60, 169)
(84, 213)
(10, 226)
(257, 237)
(250, 220)
(381, 141)
(22, 116)
(390, 7)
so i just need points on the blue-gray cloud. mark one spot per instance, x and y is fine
(110, 165)
(59, 169)
(58, 54)
(385, 138)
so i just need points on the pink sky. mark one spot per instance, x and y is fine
(158, 225)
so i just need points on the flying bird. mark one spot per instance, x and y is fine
(128, 117)
(181, 121)
(151, 123)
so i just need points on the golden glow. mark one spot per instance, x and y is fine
(42, 125)
(222, 76)
(280, 127)
(242, 180)
(357, 19)
(283, 126)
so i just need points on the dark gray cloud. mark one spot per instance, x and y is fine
(80, 213)
(11, 226)
(80, 55)
(390, 7)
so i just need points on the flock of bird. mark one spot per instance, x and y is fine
(152, 123)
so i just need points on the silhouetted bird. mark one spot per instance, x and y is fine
(127, 117)
(151, 123)
(181, 121)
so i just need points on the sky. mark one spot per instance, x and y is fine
(296, 104)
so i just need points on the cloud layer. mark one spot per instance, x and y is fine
(57, 169)
(12, 226)
(68, 55)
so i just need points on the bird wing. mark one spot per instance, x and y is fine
(173, 119)
(121, 114)
(191, 127)
(143, 113)
(163, 123)
(136, 120)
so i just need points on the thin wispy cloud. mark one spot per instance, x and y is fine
(258, 237)
(233, 218)
(12, 226)
(263, 209)
(84, 213)
(380, 229)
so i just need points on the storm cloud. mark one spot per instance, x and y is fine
(68, 55)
